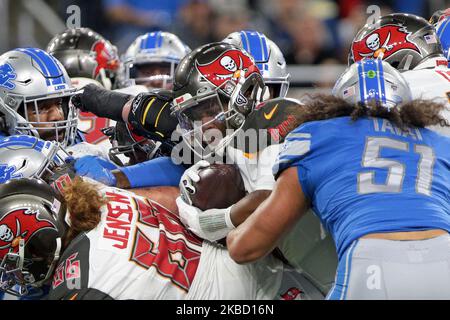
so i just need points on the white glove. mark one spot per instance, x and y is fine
(189, 177)
(212, 224)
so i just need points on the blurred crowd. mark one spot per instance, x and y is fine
(307, 31)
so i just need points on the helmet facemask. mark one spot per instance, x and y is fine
(64, 131)
(151, 73)
(17, 272)
(138, 149)
(210, 120)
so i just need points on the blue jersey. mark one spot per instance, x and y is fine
(369, 176)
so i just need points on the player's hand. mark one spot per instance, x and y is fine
(189, 178)
(101, 102)
(212, 224)
(96, 168)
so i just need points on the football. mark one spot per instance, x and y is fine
(220, 186)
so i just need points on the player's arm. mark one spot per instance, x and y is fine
(148, 113)
(156, 172)
(247, 205)
(259, 234)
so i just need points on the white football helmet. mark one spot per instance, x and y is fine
(268, 58)
(151, 60)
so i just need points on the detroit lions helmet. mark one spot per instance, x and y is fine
(443, 32)
(373, 80)
(31, 229)
(24, 156)
(30, 77)
(268, 58)
(151, 60)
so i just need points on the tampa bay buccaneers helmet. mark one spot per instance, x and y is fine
(86, 54)
(216, 86)
(403, 40)
(31, 228)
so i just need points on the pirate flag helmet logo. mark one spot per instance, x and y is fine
(31, 229)
(402, 40)
(19, 224)
(227, 66)
(382, 43)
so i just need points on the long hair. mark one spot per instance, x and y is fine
(417, 113)
(83, 204)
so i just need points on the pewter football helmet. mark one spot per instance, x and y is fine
(373, 80)
(29, 76)
(156, 48)
(268, 58)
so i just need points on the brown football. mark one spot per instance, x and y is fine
(220, 186)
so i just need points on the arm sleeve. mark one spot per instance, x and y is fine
(154, 173)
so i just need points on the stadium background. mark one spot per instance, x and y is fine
(314, 35)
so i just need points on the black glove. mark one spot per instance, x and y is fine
(101, 102)
(150, 115)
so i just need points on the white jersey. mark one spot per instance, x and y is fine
(431, 80)
(140, 250)
(256, 169)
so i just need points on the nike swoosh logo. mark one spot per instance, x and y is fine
(270, 115)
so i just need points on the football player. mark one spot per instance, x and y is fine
(195, 96)
(88, 58)
(410, 44)
(36, 91)
(389, 216)
(151, 60)
(99, 242)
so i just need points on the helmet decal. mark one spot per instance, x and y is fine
(105, 57)
(49, 67)
(384, 41)
(226, 67)
(8, 172)
(19, 224)
(6, 75)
